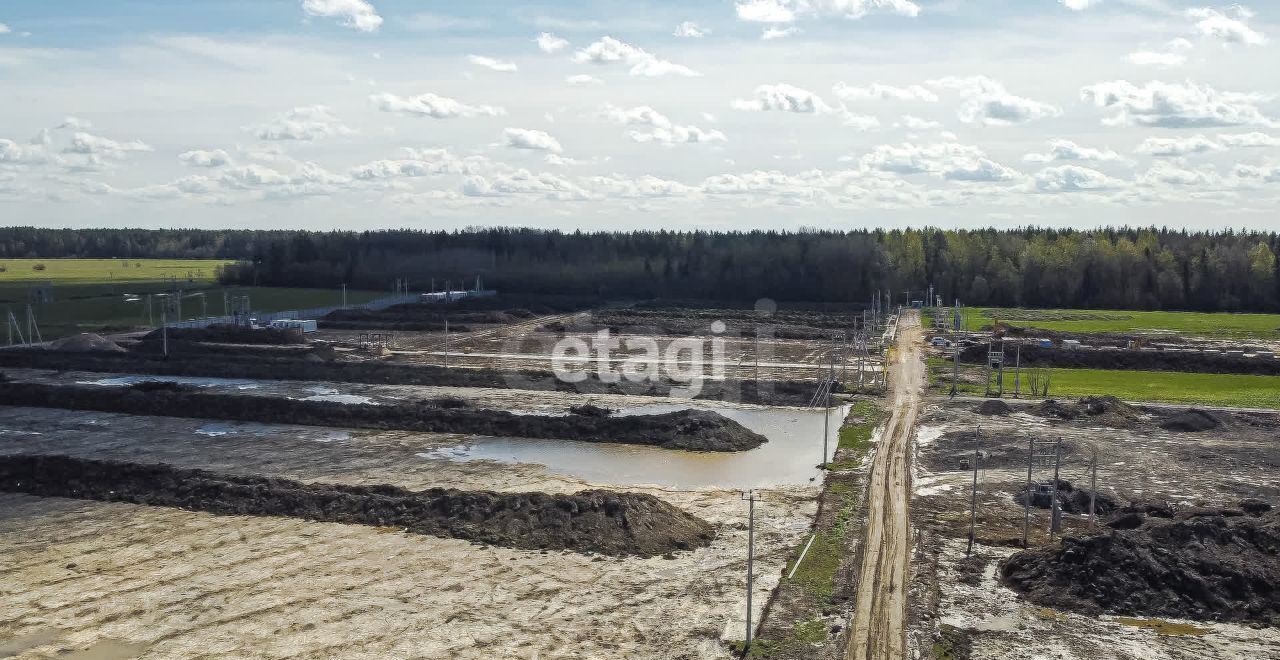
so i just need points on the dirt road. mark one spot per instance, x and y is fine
(879, 615)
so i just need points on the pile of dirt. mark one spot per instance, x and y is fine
(160, 386)
(1204, 564)
(1132, 360)
(994, 407)
(324, 352)
(589, 410)
(232, 334)
(588, 521)
(1192, 420)
(1070, 499)
(85, 342)
(695, 430)
(1105, 410)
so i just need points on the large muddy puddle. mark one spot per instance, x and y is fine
(790, 457)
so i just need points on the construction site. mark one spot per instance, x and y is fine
(474, 474)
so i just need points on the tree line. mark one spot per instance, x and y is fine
(1118, 268)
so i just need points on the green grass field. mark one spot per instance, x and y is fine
(89, 295)
(107, 271)
(1226, 326)
(1234, 390)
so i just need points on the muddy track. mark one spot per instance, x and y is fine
(879, 615)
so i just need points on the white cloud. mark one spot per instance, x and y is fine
(986, 101)
(304, 123)
(947, 160)
(646, 186)
(357, 14)
(1180, 43)
(5, 29)
(773, 32)
(550, 43)
(917, 124)
(1249, 140)
(1265, 174)
(13, 153)
(523, 182)
(202, 158)
(1231, 27)
(432, 105)
(583, 79)
(86, 143)
(881, 92)
(1152, 58)
(1174, 105)
(690, 30)
(860, 122)
(783, 97)
(75, 124)
(662, 129)
(1165, 172)
(764, 11)
(786, 11)
(1080, 5)
(1073, 178)
(525, 138)
(1196, 144)
(503, 66)
(1068, 150)
(609, 50)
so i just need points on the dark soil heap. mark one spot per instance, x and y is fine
(1192, 420)
(1105, 410)
(1205, 564)
(696, 430)
(589, 521)
(994, 407)
(232, 334)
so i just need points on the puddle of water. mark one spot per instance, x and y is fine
(220, 429)
(341, 398)
(109, 649)
(790, 457)
(16, 645)
(122, 381)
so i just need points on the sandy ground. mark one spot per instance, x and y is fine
(117, 580)
(880, 608)
(1216, 468)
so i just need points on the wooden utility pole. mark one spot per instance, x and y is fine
(973, 498)
(1017, 373)
(750, 497)
(446, 342)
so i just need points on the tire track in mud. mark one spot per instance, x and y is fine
(878, 621)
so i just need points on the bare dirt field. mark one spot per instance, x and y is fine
(961, 609)
(118, 580)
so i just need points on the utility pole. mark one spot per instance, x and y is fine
(750, 497)
(1026, 504)
(1053, 502)
(955, 372)
(1093, 483)
(973, 499)
(150, 321)
(344, 295)
(164, 328)
(1017, 373)
(446, 342)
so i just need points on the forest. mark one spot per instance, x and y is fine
(1117, 268)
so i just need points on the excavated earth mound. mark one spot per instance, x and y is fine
(1204, 564)
(589, 521)
(1192, 420)
(85, 342)
(1105, 410)
(695, 430)
(994, 407)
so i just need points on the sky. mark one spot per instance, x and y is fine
(621, 115)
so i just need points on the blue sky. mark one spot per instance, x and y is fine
(618, 115)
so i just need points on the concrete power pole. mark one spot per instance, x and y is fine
(1093, 484)
(750, 497)
(1026, 505)
(973, 498)
(1053, 503)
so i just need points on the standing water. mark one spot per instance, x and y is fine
(790, 457)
